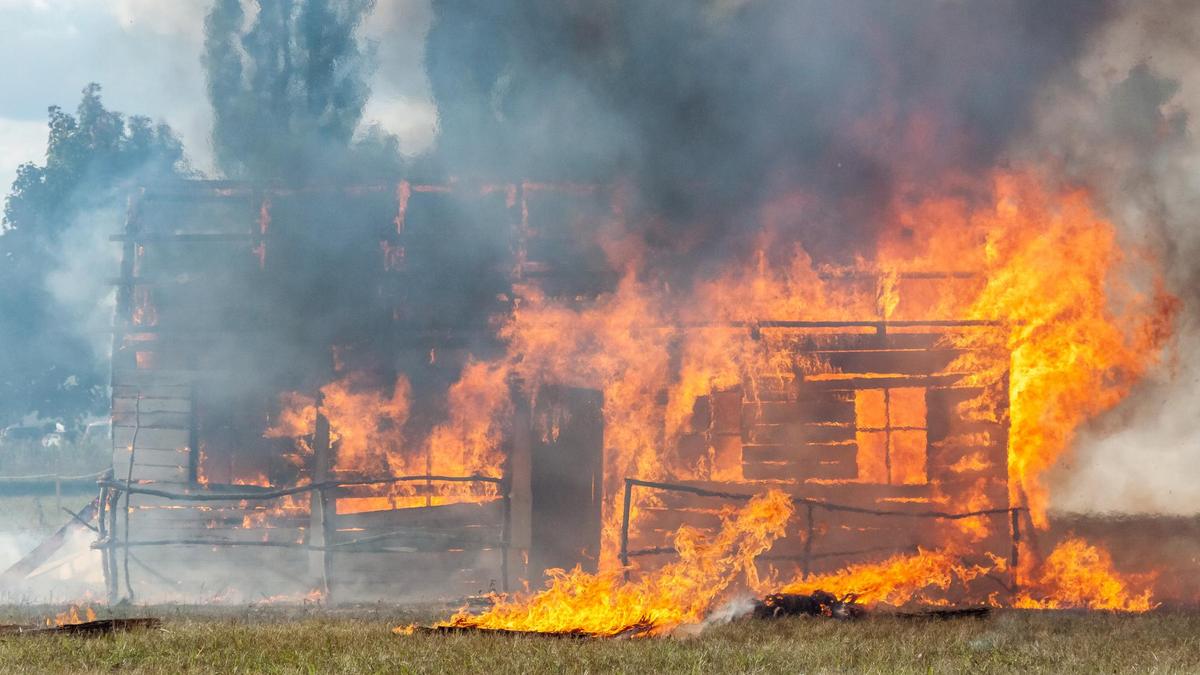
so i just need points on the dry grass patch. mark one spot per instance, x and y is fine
(360, 640)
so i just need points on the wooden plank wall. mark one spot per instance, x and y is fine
(152, 426)
(800, 433)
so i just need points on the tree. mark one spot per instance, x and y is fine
(288, 91)
(47, 366)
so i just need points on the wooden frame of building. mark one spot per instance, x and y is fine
(217, 315)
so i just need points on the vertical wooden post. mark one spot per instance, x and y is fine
(625, 506)
(111, 550)
(193, 436)
(505, 535)
(102, 541)
(518, 486)
(1014, 556)
(320, 526)
(809, 529)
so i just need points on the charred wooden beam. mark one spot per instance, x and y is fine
(214, 494)
(97, 627)
(47, 548)
(635, 630)
(947, 614)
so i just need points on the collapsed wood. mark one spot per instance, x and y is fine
(820, 603)
(97, 627)
(635, 630)
(945, 614)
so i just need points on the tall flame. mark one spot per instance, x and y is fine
(1083, 328)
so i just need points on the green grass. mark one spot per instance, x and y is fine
(275, 640)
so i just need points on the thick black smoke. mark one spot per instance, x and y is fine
(710, 107)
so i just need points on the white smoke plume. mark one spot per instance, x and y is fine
(1124, 122)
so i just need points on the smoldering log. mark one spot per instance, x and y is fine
(635, 630)
(97, 627)
(819, 603)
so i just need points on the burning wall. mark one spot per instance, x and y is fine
(239, 372)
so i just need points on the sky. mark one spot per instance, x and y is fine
(146, 55)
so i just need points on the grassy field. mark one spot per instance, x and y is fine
(277, 640)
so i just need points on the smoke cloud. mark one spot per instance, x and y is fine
(710, 107)
(1123, 122)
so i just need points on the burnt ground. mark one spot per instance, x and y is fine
(313, 639)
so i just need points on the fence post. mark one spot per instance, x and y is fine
(321, 530)
(505, 534)
(111, 548)
(625, 526)
(102, 541)
(806, 562)
(1014, 556)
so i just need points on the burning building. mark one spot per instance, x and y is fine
(389, 419)
(639, 319)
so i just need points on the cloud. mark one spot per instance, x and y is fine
(401, 99)
(413, 121)
(20, 141)
(182, 18)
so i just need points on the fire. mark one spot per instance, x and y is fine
(1082, 328)
(1076, 575)
(469, 440)
(1079, 575)
(366, 422)
(1081, 320)
(605, 604)
(73, 615)
(896, 581)
(1068, 310)
(367, 426)
(618, 346)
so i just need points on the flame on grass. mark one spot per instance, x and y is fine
(72, 616)
(605, 604)
(1079, 575)
(1076, 575)
(899, 580)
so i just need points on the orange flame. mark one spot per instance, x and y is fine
(605, 604)
(72, 616)
(1079, 575)
(1082, 329)
(367, 431)
(896, 581)
(1081, 321)
(1076, 575)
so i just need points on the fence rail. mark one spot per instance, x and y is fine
(111, 491)
(45, 477)
(810, 505)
